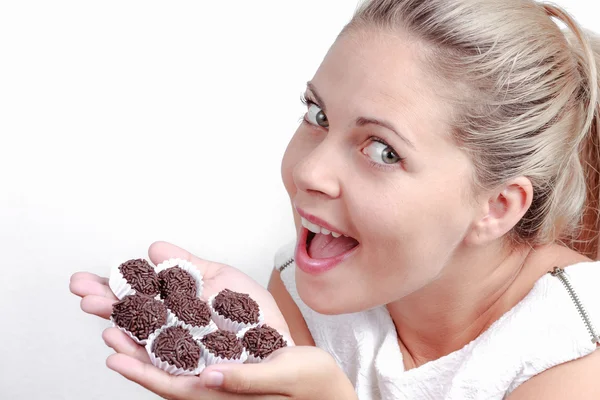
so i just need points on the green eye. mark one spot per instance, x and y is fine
(316, 116)
(381, 153)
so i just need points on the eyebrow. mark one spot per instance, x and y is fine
(362, 121)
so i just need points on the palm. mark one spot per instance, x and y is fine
(97, 298)
(219, 276)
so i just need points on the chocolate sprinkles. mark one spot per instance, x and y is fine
(261, 341)
(238, 307)
(223, 344)
(176, 346)
(139, 314)
(190, 310)
(175, 279)
(141, 276)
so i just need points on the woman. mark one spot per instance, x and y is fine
(448, 160)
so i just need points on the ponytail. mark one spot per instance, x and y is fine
(586, 48)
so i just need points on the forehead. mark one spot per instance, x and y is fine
(383, 75)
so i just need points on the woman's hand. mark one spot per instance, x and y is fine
(289, 373)
(97, 298)
(300, 373)
(133, 362)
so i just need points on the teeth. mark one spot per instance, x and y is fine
(314, 228)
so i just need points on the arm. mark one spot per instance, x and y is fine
(292, 315)
(302, 372)
(576, 379)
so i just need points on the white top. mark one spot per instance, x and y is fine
(541, 331)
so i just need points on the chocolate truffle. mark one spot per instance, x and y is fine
(139, 314)
(261, 341)
(176, 346)
(190, 310)
(238, 307)
(223, 344)
(141, 276)
(174, 280)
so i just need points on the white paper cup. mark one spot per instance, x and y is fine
(197, 331)
(211, 359)
(166, 366)
(186, 266)
(252, 359)
(170, 321)
(230, 325)
(118, 284)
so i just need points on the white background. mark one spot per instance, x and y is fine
(125, 122)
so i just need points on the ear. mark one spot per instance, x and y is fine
(501, 210)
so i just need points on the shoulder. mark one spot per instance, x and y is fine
(575, 379)
(569, 346)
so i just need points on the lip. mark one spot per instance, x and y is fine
(318, 221)
(316, 266)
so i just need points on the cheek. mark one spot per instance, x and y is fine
(417, 223)
(289, 161)
(293, 154)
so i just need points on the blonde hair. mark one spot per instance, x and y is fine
(526, 101)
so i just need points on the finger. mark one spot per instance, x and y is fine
(84, 287)
(97, 305)
(156, 380)
(121, 343)
(89, 276)
(161, 251)
(246, 378)
(170, 386)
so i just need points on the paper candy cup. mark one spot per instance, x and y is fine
(118, 284)
(142, 342)
(252, 359)
(227, 324)
(186, 266)
(197, 332)
(211, 359)
(164, 365)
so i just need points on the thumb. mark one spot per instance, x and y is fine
(263, 378)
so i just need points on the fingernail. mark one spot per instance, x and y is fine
(214, 379)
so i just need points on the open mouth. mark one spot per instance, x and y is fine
(310, 237)
(322, 245)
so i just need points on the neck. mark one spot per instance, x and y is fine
(473, 291)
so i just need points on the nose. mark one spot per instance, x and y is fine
(319, 171)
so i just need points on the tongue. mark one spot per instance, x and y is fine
(326, 246)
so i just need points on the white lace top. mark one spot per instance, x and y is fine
(543, 330)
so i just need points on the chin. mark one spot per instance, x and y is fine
(328, 301)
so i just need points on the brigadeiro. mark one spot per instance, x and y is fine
(178, 276)
(139, 316)
(134, 276)
(192, 312)
(233, 311)
(222, 347)
(174, 350)
(261, 341)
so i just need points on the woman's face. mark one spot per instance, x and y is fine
(374, 160)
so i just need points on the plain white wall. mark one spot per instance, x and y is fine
(126, 122)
